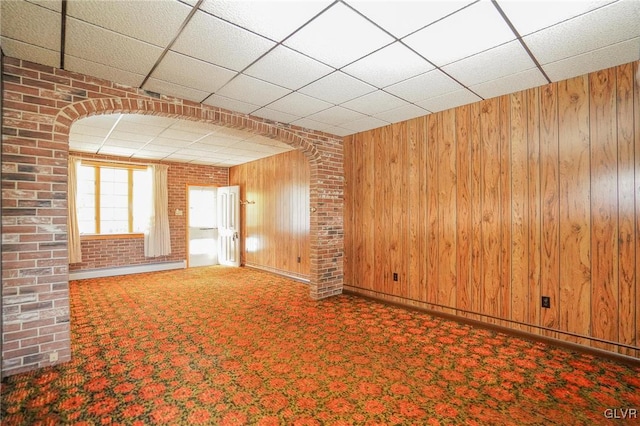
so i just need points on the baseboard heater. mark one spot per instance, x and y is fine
(126, 270)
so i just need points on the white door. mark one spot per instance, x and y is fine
(202, 224)
(229, 225)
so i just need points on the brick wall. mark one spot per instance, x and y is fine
(40, 104)
(114, 252)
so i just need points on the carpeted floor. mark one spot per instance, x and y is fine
(225, 346)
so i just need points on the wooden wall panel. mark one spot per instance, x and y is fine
(487, 207)
(276, 227)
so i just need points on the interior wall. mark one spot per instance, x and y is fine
(483, 209)
(275, 229)
(108, 252)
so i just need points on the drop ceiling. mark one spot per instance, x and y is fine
(335, 66)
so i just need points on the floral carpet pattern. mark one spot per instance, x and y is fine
(232, 346)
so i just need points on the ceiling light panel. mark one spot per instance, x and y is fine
(602, 27)
(337, 88)
(300, 70)
(176, 90)
(231, 104)
(133, 18)
(30, 23)
(381, 68)
(220, 43)
(193, 73)
(404, 17)
(338, 36)
(615, 54)
(248, 89)
(449, 100)
(374, 103)
(530, 16)
(428, 85)
(273, 19)
(467, 32)
(509, 58)
(106, 47)
(299, 103)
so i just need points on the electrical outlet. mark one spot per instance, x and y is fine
(395, 276)
(53, 356)
(546, 302)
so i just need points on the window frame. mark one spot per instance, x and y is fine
(97, 165)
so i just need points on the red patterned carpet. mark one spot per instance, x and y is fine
(224, 346)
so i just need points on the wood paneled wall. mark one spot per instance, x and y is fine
(276, 228)
(483, 209)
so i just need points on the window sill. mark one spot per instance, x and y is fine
(111, 236)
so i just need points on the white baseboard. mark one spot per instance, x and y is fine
(126, 270)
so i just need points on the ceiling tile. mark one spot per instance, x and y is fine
(307, 123)
(231, 104)
(117, 150)
(30, 23)
(338, 131)
(400, 114)
(336, 116)
(144, 154)
(615, 54)
(491, 64)
(176, 90)
(139, 137)
(381, 68)
(300, 104)
(528, 16)
(221, 44)
(374, 103)
(448, 100)
(510, 84)
(403, 17)
(147, 127)
(55, 5)
(158, 149)
(428, 85)
(72, 63)
(608, 25)
(337, 88)
(251, 90)
(29, 52)
(193, 73)
(175, 143)
(300, 70)
(273, 19)
(363, 124)
(132, 18)
(338, 36)
(109, 48)
(467, 32)
(181, 135)
(270, 114)
(150, 120)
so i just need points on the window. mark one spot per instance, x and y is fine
(113, 198)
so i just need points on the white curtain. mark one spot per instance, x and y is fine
(157, 240)
(73, 231)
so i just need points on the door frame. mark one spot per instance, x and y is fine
(188, 212)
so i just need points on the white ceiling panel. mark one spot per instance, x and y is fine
(608, 25)
(509, 58)
(117, 150)
(448, 100)
(467, 32)
(406, 112)
(248, 89)
(616, 54)
(193, 73)
(363, 124)
(158, 149)
(510, 84)
(405, 16)
(133, 17)
(221, 44)
(337, 88)
(174, 143)
(55, 5)
(95, 69)
(175, 90)
(381, 68)
(108, 48)
(429, 85)
(281, 117)
(338, 131)
(30, 52)
(138, 137)
(31, 24)
(530, 16)
(338, 36)
(231, 104)
(301, 104)
(308, 123)
(374, 103)
(300, 70)
(336, 116)
(273, 19)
